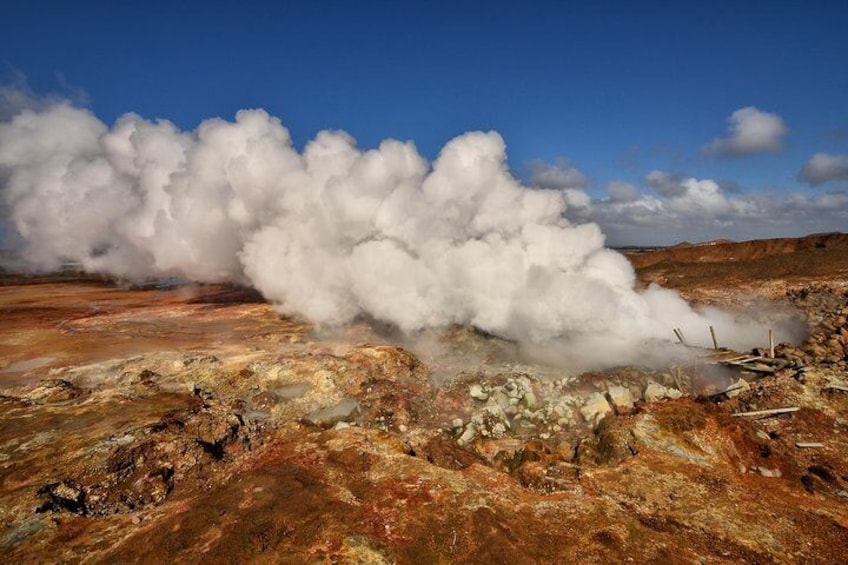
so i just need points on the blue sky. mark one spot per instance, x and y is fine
(614, 89)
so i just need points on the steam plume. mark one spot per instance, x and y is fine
(332, 232)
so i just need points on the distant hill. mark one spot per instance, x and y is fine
(728, 264)
(723, 251)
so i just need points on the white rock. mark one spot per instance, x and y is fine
(477, 392)
(595, 408)
(621, 398)
(468, 435)
(655, 391)
(739, 386)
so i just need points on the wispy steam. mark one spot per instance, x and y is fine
(335, 231)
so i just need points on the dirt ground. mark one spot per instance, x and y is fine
(195, 424)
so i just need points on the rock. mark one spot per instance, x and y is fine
(650, 433)
(264, 400)
(512, 389)
(65, 495)
(468, 435)
(771, 473)
(498, 430)
(529, 399)
(739, 386)
(477, 393)
(655, 391)
(595, 408)
(53, 390)
(621, 399)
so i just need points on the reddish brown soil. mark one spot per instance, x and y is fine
(185, 425)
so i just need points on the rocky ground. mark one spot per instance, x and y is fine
(194, 424)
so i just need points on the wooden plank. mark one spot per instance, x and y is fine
(771, 343)
(752, 368)
(745, 359)
(771, 412)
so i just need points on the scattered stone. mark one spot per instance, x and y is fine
(498, 430)
(736, 388)
(468, 435)
(655, 391)
(771, 473)
(264, 400)
(529, 399)
(621, 399)
(595, 408)
(65, 495)
(477, 392)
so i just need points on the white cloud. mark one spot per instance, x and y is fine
(750, 131)
(556, 176)
(622, 191)
(667, 184)
(702, 209)
(823, 167)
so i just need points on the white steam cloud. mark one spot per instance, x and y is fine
(335, 232)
